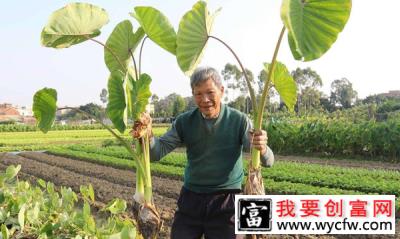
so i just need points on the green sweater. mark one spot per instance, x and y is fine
(214, 149)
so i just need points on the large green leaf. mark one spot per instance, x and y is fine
(73, 24)
(116, 106)
(12, 171)
(21, 217)
(87, 192)
(116, 206)
(127, 232)
(44, 108)
(313, 25)
(283, 83)
(157, 27)
(194, 29)
(140, 95)
(121, 42)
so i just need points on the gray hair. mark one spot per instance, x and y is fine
(202, 74)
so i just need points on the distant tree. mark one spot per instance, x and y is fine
(90, 108)
(179, 106)
(239, 103)
(164, 107)
(93, 109)
(234, 81)
(261, 80)
(231, 74)
(190, 104)
(154, 99)
(309, 98)
(308, 94)
(389, 106)
(342, 93)
(306, 78)
(326, 104)
(272, 92)
(377, 99)
(104, 96)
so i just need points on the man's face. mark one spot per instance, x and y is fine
(207, 96)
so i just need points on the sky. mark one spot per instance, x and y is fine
(366, 52)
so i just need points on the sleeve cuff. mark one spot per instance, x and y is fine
(152, 142)
(154, 149)
(267, 159)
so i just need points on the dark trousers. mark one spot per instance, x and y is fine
(208, 214)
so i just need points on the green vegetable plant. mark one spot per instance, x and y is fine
(312, 25)
(41, 211)
(128, 87)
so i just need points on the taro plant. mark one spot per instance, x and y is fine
(312, 25)
(39, 210)
(128, 87)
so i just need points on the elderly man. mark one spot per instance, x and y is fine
(214, 136)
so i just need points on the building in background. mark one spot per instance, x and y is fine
(24, 111)
(8, 113)
(392, 94)
(15, 114)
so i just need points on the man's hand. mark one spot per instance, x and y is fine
(258, 140)
(142, 126)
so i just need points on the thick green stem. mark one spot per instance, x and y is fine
(139, 177)
(148, 194)
(139, 165)
(139, 187)
(108, 49)
(251, 90)
(255, 154)
(134, 65)
(140, 55)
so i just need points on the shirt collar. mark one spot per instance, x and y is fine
(216, 117)
(204, 117)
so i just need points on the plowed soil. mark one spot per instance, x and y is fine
(110, 183)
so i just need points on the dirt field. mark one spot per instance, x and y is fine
(109, 183)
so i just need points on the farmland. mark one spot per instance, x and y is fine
(36, 140)
(84, 159)
(325, 144)
(78, 157)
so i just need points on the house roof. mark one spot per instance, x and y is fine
(9, 111)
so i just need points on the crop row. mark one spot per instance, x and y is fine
(68, 134)
(176, 172)
(336, 137)
(362, 184)
(29, 128)
(15, 140)
(315, 174)
(172, 166)
(157, 168)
